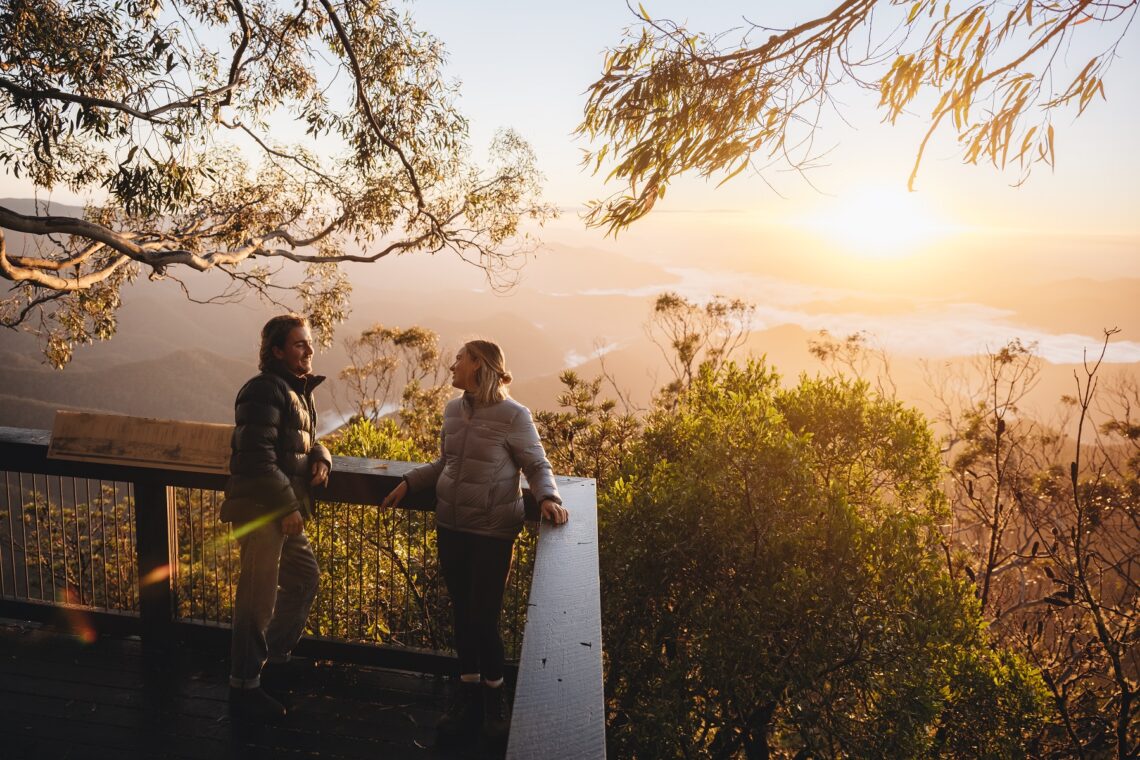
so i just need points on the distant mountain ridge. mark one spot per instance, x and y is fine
(174, 358)
(186, 385)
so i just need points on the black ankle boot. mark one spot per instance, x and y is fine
(464, 709)
(496, 712)
(278, 676)
(256, 705)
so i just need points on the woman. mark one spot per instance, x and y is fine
(488, 439)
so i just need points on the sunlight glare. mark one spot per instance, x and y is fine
(877, 223)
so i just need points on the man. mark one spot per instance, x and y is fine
(275, 462)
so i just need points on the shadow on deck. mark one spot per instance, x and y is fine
(61, 697)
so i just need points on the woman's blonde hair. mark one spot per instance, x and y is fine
(492, 376)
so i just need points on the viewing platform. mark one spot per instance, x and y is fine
(116, 588)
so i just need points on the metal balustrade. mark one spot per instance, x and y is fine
(67, 540)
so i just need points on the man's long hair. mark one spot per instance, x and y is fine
(492, 377)
(274, 334)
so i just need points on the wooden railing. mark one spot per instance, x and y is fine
(558, 706)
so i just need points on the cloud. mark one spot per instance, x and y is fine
(924, 327)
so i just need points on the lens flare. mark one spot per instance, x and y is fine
(160, 574)
(76, 620)
(252, 525)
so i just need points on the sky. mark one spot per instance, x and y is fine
(854, 228)
(528, 65)
(780, 241)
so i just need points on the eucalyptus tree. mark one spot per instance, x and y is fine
(1046, 522)
(690, 335)
(587, 436)
(236, 136)
(383, 358)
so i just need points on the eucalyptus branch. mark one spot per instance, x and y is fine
(54, 265)
(150, 115)
(671, 102)
(243, 43)
(43, 298)
(366, 107)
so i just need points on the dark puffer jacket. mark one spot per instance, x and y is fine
(476, 477)
(273, 448)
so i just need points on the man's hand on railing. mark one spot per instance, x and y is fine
(554, 512)
(396, 495)
(292, 523)
(320, 474)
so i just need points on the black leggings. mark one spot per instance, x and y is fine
(475, 569)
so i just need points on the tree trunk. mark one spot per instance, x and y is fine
(756, 742)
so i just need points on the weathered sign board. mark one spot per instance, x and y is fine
(141, 441)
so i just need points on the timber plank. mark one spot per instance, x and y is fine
(559, 700)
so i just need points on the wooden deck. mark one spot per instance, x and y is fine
(61, 697)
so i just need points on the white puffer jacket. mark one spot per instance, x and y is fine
(476, 478)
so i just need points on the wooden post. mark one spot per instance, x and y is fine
(153, 547)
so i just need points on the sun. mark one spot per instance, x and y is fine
(877, 223)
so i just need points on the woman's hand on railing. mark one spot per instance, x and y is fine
(396, 495)
(554, 512)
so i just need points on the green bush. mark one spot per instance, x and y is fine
(773, 585)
